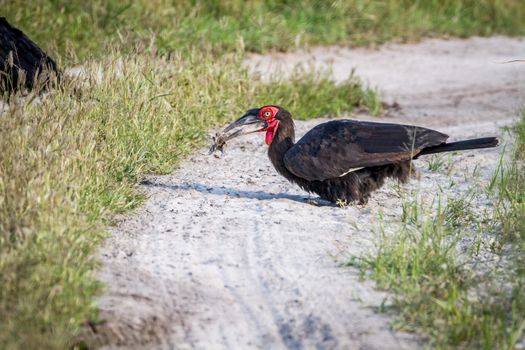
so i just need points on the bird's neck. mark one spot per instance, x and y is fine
(283, 140)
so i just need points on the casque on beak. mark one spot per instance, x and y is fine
(247, 124)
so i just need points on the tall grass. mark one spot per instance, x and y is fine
(71, 157)
(460, 296)
(258, 25)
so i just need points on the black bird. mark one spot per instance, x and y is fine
(345, 159)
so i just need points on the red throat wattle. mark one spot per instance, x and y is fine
(268, 114)
(271, 130)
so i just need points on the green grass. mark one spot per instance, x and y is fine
(509, 183)
(71, 158)
(459, 295)
(87, 27)
(440, 163)
(519, 130)
(307, 95)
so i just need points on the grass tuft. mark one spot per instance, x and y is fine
(296, 93)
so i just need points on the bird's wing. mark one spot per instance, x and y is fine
(334, 148)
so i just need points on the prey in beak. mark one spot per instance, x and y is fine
(247, 124)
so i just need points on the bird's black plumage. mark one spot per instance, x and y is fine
(332, 149)
(349, 159)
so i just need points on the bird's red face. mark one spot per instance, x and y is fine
(268, 114)
(256, 120)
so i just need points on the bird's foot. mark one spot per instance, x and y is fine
(363, 200)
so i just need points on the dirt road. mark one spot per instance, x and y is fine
(226, 254)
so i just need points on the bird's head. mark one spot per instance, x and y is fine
(266, 118)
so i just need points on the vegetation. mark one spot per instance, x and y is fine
(87, 27)
(440, 163)
(466, 295)
(519, 130)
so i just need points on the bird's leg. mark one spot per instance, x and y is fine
(363, 200)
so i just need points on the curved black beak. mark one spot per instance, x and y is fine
(247, 124)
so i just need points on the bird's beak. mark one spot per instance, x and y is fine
(247, 124)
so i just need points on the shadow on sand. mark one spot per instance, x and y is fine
(236, 193)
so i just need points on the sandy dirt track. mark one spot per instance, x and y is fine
(225, 254)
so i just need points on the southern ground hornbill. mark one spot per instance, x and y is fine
(343, 159)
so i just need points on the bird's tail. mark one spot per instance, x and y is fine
(486, 142)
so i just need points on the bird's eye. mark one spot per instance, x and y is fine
(267, 114)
